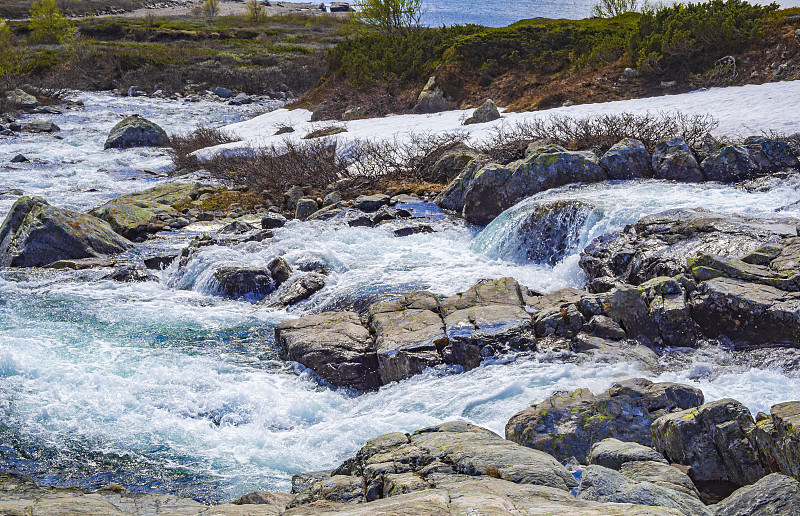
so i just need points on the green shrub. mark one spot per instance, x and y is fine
(389, 17)
(684, 39)
(48, 25)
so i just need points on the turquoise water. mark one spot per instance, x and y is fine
(499, 13)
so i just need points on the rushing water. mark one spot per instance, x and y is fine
(499, 13)
(166, 386)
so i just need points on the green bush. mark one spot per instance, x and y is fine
(685, 39)
(390, 17)
(48, 25)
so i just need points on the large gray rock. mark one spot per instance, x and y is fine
(135, 131)
(454, 196)
(305, 208)
(773, 495)
(496, 188)
(39, 126)
(674, 160)
(431, 99)
(409, 333)
(780, 154)
(714, 440)
(35, 234)
(22, 99)
(661, 244)
(272, 221)
(567, 424)
(451, 164)
(613, 453)
(628, 159)
(606, 485)
(733, 163)
(241, 282)
(659, 473)
(778, 439)
(335, 346)
(486, 112)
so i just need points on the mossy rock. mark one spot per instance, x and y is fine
(136, 131)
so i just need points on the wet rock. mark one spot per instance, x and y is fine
(431, 99)
(454, 196)
(486, 112)
(628, 159)
(36, 234)
(134, 273)
(613, 453)
(673, 160)
(709, 266)
(777, 438)
(773, 495)
(279, 269)
(661, 244)
(550, 231)
(495, 188)
(334, 345)
(224, 93)
(371, 203)
(749, 314)
(567, 424)
(606, 485)
(779, 153)
(240, 282)
(713, 439)
(605, 327)
(82, 264)
(241, 99)
(19, 158)
(38, 126)
(273, 221)
(733, 163)
(135, 131)
(237, 227)
(305, 208)
(413, 230)
(160, 261)
(450, 165)
(302, 481)
(409, 333)
(302, 288)
(136, 215)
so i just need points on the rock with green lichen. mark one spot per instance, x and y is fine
(773, 495)
(567, 424)
(778, 439)
(135, 131)
(674, 160)
(613, 453)
(627, 159)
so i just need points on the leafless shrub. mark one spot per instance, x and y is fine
(183, 145)
(601, 132)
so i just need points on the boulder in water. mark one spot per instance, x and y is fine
(273, 221)
(550, 231)
(674, 160)
(240, 282)
(302, 288)
(38, 126)
(305, 208)
(135, 131)
(627, 159)
(35, 234)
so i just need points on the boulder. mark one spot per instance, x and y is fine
(136, 215)
(773, 495)
(237, 227)
(627, 159)
(450, 164)
(714, 440)
(777, 438)
(279, 269)
(135, 131)
(733, 163)
(132, 273)
(495, 188)
(278, 500)
(332, 198)
(301, 289)
(606, 485)
(454, 196)
(340, 7)
(567, 424)
(305, 208)
(550, 231)
(613, 453)
(408, 335)
(748, 314)
(335, 346)
(486, 112)
(22, 99)
(240, 282)
(38, 126)
(661, 244)
(35, 234)
(371, 203)
(272, 221)
(413, 230)
(709, 266)
(19, 158)
(660, 473)
(673, 160)
(338, 488)
(431, 99)
(780, 154)
(291, 196)
(224, 93)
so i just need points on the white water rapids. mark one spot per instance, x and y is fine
(163, 385)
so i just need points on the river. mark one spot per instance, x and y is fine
(165, 386)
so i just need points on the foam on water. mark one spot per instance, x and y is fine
(164, 385)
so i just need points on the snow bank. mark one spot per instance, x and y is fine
(740, 110)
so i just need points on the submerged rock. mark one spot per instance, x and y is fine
(567, 424)
(551, 231)
(35, 234)
(135, 131)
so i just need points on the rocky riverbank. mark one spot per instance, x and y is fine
(639, 448)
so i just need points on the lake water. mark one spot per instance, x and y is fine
(499, 13)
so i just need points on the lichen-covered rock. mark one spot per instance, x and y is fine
(453, 197)
(613, 453)
(748, 314)
(714, 439)
(450, 164)
(567, 424)
(409, 333)
(338, 488)
(138, 214)
(779, 153)
(335, 346)
(627, 159)
(35, 234)
(135, 131)
(606, 485)
(733, 163)
(674, 160)
(486, 112)
(23, 99)
(773, 495)
(709, 266)
(431, 99)
(778, 439)
(305, 208)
